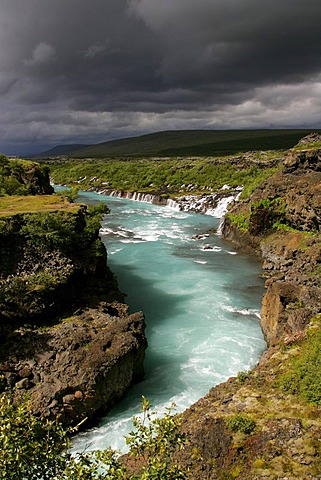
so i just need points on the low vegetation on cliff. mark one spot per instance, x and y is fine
(23, 177)
(67, 340)
(44, 251)
(281, 222)
(168, 177)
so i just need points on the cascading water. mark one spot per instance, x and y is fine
(201, 301)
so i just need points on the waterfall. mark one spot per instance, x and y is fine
(136, 196)
(173, 204)
(114, 193)
(210, 204)
(214, 204)
(221, 207)
(141, 197)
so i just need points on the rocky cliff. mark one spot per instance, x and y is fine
(266, 423)
(67, 340)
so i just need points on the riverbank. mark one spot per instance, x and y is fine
(266, 423)
(202, 324)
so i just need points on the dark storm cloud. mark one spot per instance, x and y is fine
(80, 70)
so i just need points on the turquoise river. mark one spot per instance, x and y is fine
(201, 301)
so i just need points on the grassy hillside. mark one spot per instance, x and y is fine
(189, 142)
(60, 150)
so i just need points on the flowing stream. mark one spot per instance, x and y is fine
(201, 302)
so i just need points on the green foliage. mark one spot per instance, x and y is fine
(154, 441)
(51, 230)
(266, 214)
(240, 220)
(155, 174)
(30, 448)
(75, 235)
(36, 449)
(241, 423)
(254, 177)
(242, 377)
(70, 194)
(63, 230)
(283, 227)
(304, 375)
(306, 146)
(276, 206)
(13, 173)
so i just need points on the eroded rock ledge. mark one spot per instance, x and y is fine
(81, 366)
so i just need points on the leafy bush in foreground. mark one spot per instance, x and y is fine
(36, 449)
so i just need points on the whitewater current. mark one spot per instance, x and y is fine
(201, 300)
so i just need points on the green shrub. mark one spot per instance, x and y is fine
(63, 230)
(241, 423)
(13, 175)
(240, 220)
(242, 377)
(30, 448)
(74, 235)
(266, 213)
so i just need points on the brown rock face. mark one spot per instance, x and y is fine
(291, 256)
(299, 187)
(281, 315)
(292, 265)
(82, 366)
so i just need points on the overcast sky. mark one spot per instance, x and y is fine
(86, 71)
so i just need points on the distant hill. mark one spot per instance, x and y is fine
(60, 150)
(187, 142)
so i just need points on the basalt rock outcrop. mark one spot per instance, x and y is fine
(283, 221)
(50, 262)
(77, 369)
(67, 340)
(255, 426)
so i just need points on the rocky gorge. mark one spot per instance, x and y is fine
(262, 424)
(266, 423)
